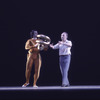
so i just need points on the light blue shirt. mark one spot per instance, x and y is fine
(63, 49)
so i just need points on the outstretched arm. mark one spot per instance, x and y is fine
(56, 46)
(52, 46)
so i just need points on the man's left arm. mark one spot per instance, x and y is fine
(69, 43)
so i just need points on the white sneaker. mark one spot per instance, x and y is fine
(35, 86)
(25, 85)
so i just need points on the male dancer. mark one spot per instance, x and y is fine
(33, 57)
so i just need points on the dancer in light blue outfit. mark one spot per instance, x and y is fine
(64, 47)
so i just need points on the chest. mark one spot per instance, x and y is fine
(63, 46)
(32, 42)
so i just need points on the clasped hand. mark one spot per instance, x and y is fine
(36, 45)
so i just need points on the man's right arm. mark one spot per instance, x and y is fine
(56, 46)
(27, 45)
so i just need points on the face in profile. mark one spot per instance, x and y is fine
(34, 34)
(64, 36)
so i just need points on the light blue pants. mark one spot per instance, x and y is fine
(64, 67)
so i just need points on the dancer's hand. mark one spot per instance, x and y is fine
(51, 45)
(36, 45)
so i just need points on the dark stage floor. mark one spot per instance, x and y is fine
(51, 92)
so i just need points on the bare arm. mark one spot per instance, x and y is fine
(51, 45)
(27, 45)
(56, 46)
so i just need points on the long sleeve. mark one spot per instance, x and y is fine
(56, 46)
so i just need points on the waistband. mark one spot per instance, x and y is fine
(64, 55)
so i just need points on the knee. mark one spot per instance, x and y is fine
(28, 69)
(36, 71)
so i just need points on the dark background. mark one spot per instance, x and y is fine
(81, 19)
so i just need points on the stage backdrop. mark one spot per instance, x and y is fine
(80, 19)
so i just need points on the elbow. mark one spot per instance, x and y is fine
(26, 48)
(71, 45)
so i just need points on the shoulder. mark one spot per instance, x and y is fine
(28, 40)
(68, 41)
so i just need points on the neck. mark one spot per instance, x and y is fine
(64, 40)
(34, 38)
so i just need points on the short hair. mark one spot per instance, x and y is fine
(66, 33)
(32, 33)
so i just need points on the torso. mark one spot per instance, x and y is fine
(34, 52)
(64, 50)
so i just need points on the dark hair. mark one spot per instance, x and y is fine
(32, 33)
